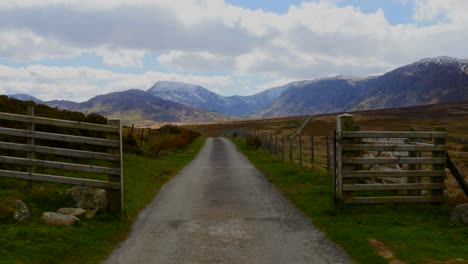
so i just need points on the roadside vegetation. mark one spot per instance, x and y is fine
(146, 168)
(92, 240)
(411, 233)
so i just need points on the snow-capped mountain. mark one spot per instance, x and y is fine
(428, 81)
(203, 98)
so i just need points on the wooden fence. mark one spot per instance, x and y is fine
(389, 167)
(24, 149)
(299, 149)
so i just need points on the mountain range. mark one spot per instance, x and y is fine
(428, 81)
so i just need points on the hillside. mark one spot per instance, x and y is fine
(137, 105)
(200, 97)
(319, 96)
(428, 81)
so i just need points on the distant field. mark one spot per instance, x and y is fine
(452, 116)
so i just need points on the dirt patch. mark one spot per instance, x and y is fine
(384, 251)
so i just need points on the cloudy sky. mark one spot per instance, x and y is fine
(74, 50)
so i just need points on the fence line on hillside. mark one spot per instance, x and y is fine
(64, 146)
(302, 150)
(370, 166)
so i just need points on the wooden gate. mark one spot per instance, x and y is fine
(390, 166)
(25, 149)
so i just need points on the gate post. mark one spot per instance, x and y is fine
(438, 154)
(343, 123)
(116, 196)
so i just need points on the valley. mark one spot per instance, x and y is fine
(429, 81)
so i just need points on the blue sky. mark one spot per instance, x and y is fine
(57, 49)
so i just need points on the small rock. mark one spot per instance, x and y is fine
(77, 212)
(52, 218)
(460, 214)
(22, 211)
(90, 213)
(89, 198)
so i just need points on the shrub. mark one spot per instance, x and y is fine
(253, 141)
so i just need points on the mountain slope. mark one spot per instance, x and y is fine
(203, 98)
(428, 81)
(319, 96)
(25, 97)
(137, 105)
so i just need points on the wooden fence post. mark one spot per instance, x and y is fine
(276, 145)
(312, 149)
(300, 149)
(142, 130)
(282, 148)
(31, 155)
(328, 152)
(116, 196)
(291, 138)
(438, 154)
(343, 123)
(270, 147)
(131, 130)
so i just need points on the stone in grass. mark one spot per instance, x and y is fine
(22, 211)
(52, 218)
(460, 214)
(77, 212)
(89, 198)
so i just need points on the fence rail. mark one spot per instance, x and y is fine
(24, 150)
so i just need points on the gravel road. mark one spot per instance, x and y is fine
(220, 209)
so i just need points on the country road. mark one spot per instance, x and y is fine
(220, 209)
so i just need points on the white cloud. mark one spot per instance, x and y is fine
(82, 83)
(195, 60)
(23, 45)
(310, 40)
(121, 57)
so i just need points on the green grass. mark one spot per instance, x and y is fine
(91, 241)
(416, 233)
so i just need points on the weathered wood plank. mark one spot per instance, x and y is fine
(457, 174)
(375, 147)
(394, 199)
(392, 134)
(59, 179)
(60, 137)
(116, 196)
(441, 155)
(419, 173)
(390, 187)
(58, 122)
(59, 165)
(394, 160)
(60, 151)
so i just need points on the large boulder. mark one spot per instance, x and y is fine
(22, 211)
(76, 212)
(52, 218)
(89, 198)
(460, 214)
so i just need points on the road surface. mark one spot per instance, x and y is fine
(220, 209)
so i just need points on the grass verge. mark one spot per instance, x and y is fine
(412, 233)
(91, 241)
